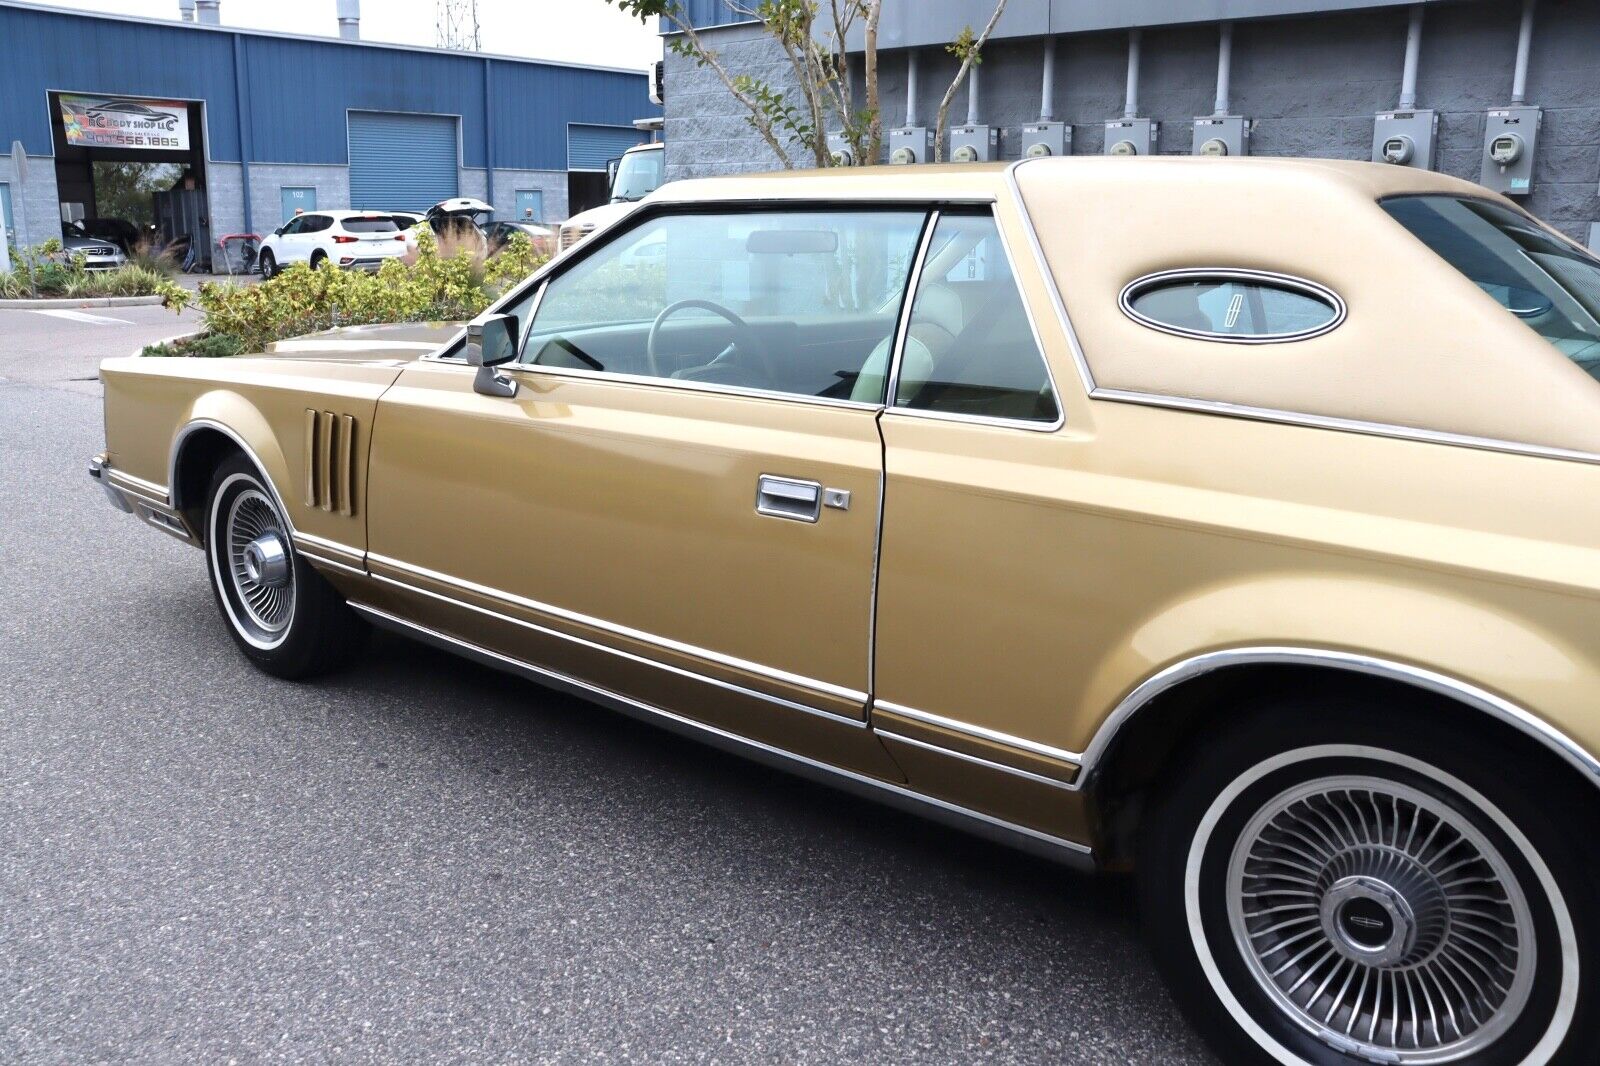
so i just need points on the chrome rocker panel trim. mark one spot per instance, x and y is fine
(1058, 849)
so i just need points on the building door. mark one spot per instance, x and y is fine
(297, 200)
(402, 162)
(530, 205)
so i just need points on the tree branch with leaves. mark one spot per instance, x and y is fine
(819, 61)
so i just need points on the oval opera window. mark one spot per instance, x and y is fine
(1242, 306)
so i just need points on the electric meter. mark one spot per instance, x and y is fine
(1215, 146)
(1124, 148)
(1399, 149)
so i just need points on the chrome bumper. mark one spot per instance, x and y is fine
(97, 470)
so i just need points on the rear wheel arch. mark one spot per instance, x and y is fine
(1141, 748)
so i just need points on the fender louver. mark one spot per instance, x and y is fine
(330, 451)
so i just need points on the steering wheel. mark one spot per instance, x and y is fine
(745, 337)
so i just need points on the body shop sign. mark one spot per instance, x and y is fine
(125, 122)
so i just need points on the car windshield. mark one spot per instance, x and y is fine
(638, 175)
(1552, 286)
(370, 225)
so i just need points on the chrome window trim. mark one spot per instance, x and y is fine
(1033, 747)
(626, 632)
(1078, 357)
(988, 764)
(711, 388)
(1138, 286)
(1035, 425)
(1011, 834)
(1469, 695)
(1344, 425)
(908, 298)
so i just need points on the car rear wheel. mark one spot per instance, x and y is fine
(269, 263)
(281, 613)
(1333, 885)
(318, 258)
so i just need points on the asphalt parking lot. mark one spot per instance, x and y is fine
(422, 860)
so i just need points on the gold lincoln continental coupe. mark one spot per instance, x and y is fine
(1232, 522)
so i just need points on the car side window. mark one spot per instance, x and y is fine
(969, 348)
(293, 226)
(316, 223)
(779, 301)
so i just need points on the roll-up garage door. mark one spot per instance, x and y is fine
(591, 147)
(401, 162)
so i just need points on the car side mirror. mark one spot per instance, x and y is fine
(492, 342)
(278, 232)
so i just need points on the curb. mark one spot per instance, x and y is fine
(97, 301)
(138, 353)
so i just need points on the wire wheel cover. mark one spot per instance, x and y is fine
(1381, 920)
(268, 606)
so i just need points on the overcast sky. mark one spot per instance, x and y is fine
(576, 31)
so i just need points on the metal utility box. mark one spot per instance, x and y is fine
(1406, 138)
(1509, 137)
(1046, 138)
(840, 149)
(1221, 135)
(974, 144)
(912, 144)
(1131, 136)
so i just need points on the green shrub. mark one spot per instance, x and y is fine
(453, 284)
(205, 346)
(44, 272)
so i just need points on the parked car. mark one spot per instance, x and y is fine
(97, 254)
(1229, 521)
(458, 219)
(640, 171)
(359, 240)
(119, 231)
(404, 220)
(542, 237)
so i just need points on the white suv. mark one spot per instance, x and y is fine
(359, 240)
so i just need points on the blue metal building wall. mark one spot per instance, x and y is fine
(298, 90)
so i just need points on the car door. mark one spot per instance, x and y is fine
(680, 502)
(304, 241)
(980, 609)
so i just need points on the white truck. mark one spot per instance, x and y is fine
(638, 173)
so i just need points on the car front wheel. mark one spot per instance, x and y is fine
(1332, 884)
(281, 613)
(269, 264)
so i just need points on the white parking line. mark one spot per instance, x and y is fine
(82, 316)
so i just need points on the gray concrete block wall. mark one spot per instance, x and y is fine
(267, 181)
(552, 183)
(1311, 85)
(34, 201)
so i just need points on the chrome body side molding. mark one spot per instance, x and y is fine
(1524, 721)
(987, 764)
(1021, 837)
(643, 660)
(1345, 425)
(625, 632)
(994, 736)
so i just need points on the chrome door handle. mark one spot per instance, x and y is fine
(787, 497)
